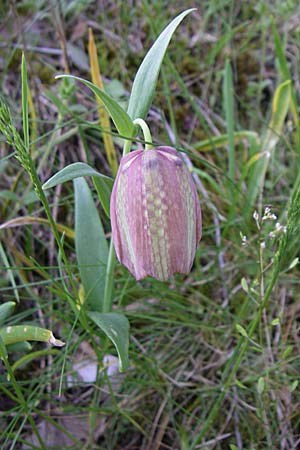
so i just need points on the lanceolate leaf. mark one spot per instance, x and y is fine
(116, 328)
(91, 245)
(72, 171)
(120, 118)
(102, 183)
(145, 80)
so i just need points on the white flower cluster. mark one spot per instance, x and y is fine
(268, 214)
(278, 229)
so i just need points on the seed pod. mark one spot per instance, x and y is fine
(155, 214)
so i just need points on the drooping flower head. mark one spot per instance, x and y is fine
(155, 214)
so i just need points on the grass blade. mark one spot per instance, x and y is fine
(229, 115)
(9, 271)
(286, 75)
(215, 142)
(25, 103)
(280, 106)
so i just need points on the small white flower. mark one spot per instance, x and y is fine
(262, 245)
(244, 241)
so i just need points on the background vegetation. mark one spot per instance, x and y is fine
(214, 355)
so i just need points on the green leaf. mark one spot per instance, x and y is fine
(275, 322)
(261, 385)
(91, 245)
(116, 328)
(6, 310)
(25, 103)
(20, 333)
(244, 285)
(102, 183)
(286, 75)
(104, 189)
(293, 386)
(229, 114)
(10, 273)
(215, 142)
(280, 107)
(19, 347)
(120, 118)
(144, 84)
(72, 171)
(241, 330)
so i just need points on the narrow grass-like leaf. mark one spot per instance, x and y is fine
(144, 84)
(91, 245)
(25, 103)
(30, 220)
(286, 75)
(20, 333)
(215, 142)
(229, 114)
(103, 184)
(120, 118)
(33, 128)
(280, 106)
(6, 264)
(6, 310)
(34, 355)
(102, 113)
(221, 43)
(116, 328)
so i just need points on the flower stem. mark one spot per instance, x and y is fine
(146, 133)
(109, 279)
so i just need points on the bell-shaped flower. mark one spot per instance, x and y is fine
(155, 214)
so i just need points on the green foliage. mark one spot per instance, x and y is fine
(116, 327)
(120, 118)
(102, 182)
(144, 84)
(91, 246)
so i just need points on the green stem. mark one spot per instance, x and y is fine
(234, 363)
(127, 146)
(146, 133)
(107, 301)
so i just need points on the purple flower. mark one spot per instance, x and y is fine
(155, 214)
